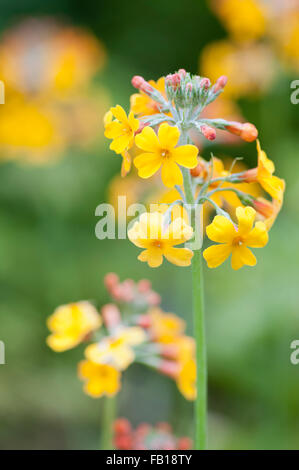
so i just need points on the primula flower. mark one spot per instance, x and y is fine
(165, 327)
(142, 104)
(235, 241)
(117, 349)
(121, 130)
(186, 379)
(272, 184)
(149, 233)
(160, 151)
(70, 324)
(100, 379)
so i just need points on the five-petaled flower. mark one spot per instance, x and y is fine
(158, 241)
(160, 150)
(121, 130)
(70, 324)
(100, 379)
(116, 350)
(235, 241)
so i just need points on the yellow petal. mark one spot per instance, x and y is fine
(168, 136)
(87, 369)
(171, 174)
(245, 216)
(147, 164)
(147, 140)
(94, 388)
(113, 130)
(121, 143)
(179, 256)
(216, 255)
(274, 186)
(221, 230)
(186, 155)
(61, 342)
(123, 357)
(133, 336)
(152, 256)
(242, 255)
(258, 237)
(119, 113)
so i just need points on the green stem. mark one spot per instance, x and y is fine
(201, 359)
(108, 417)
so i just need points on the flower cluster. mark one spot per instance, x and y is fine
(50, 102)
(131, 329)
(147, 437)
(161, 127)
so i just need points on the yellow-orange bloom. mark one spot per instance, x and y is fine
(186, 379)
(272, 184)
(100, 379)
(117, 349)
(121, 130)
(142, 104)
(149, 233)
(235, 241)
(70, 324)
(269, 210)
(165, 327)
(160, 150)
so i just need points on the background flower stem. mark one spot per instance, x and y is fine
(108, 417)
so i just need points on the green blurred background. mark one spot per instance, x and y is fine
(49, 255)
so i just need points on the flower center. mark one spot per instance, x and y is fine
(237, 241)
(165, 153)
(157, 244)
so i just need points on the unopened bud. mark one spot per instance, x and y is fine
(182, 72)
(144, 321)
(249, 176)
(184, 443)
(110, 280)
(198, 170)
(142, 125)
(220, 84)
(205, 83)
(141, 84)
(169, 368)
(246, 131)
(174, 80)
(111, 315)
(208, 132)
(263, 207)
(122, 426)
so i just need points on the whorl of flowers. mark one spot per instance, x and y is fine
(162, 125)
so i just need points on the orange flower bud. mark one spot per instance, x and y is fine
(263, 207)
(246, 131)
(220, 84)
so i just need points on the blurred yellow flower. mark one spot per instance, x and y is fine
(160, 151)
(100, 379)
(186, 379)
(121, 130)
(245, 19)
(142, 104)
(149, 233)
(235, 241)
(70, 324)
(117, 349)
(165, 327)
(225, 57)
(42, 56)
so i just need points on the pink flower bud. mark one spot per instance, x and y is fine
(153, 298)
(144, 285)
(208, 132)
(142, 125)
(220, 84)
(182, 72)
(169, 368)
(249, 176)
(144, 321)
(205, 83)
(111, 315)
(110, 280)
(141, 84)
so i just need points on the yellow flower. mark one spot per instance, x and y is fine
(70, 324)
(165, 327)
(234, 240)
(186, 379)
(142, 104)
(245, 20)
(121, 130)
(100, 379)
(272, 184)
(117, 349)
(160, 151)
(149, 233)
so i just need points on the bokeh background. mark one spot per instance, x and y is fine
(56, 168)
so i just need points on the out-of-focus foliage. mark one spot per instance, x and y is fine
(50, 256)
